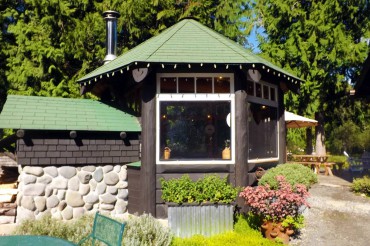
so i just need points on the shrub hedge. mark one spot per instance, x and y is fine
(294, 174)
(142, 230)
(361, 185)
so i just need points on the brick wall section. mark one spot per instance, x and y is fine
(59, 150)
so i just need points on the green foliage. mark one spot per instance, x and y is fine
(349, 137)
(319, 41)
(211, 188)
(293, 222)
(243, 234)
(294, 174)
(145, 230)
(361, 185)
(72, 231)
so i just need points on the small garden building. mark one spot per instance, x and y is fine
(188, 101)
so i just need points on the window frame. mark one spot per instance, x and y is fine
(195, 97)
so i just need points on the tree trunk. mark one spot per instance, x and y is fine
(320, 135)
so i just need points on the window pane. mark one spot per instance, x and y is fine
(186, 85)
(168, 85)
(265, 92)
(250, 88)
(262, 131)
(258, 90)
(272, 94)
(194, 130)
(222, 84)
(204, 85)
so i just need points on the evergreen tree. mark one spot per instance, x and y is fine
(58, 41)
(320, 41)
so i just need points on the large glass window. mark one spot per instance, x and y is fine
(195, 118)
(193, 130)
(263, 134)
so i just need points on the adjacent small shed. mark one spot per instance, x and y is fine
(72, 155)
(197, 93)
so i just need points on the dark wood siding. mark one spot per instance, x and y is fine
(56, 148)
(135, 203)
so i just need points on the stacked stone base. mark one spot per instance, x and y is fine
(68, 192)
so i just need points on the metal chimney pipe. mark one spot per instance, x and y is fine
(110, 17)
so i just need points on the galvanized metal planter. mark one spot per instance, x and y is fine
(207, 219)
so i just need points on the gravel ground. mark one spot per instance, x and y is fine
(336, 217)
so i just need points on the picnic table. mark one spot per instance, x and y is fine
(32, 240)
(315, 162)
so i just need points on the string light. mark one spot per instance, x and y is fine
(121, 71)
(240, 66)
(215, 66)
(175, 66)
(189, 65)
(128, 68)
(162, 65)
(253, 65)
(227, 66)
(148, 65)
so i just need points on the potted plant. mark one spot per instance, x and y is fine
(199, 207)
(280, 210)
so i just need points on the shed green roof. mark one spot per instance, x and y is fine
(52, 113)
(188, 41)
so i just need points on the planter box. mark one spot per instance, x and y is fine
(210, 219)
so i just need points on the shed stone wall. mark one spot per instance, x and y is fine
(68, 178)
(68, 192)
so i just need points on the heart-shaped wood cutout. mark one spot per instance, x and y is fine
(139, 74)
(254, 74)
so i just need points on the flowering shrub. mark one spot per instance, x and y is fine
(276, 205)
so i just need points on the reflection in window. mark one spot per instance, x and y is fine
(168, 85)
(204, 85)
(222, 85)
(262, 131)
(194, 130)
(186, 85)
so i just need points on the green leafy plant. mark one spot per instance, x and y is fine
(243, 234)
(361, 185)
(146, 230)
(211, 188)
(293, 173)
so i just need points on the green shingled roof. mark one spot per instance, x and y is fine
(185, 42)
(51, 113)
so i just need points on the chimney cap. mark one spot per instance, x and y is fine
(111, 14)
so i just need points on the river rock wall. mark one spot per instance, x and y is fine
(68, 192)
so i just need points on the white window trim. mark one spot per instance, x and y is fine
(259, 100)
(196, 97)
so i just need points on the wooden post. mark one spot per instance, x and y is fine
(148, 165)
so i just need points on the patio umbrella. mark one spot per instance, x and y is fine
(297, 121)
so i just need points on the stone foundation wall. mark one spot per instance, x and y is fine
(68, 192)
